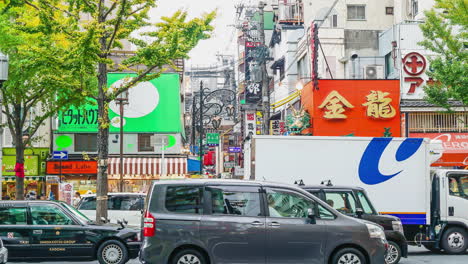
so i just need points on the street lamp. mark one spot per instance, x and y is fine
(3, 78)
(216, 122)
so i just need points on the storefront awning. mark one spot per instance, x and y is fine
(27, 178)
(147, 166)
(455, 148)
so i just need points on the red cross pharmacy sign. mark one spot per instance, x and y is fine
(414, 67)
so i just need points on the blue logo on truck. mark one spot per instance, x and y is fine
(369, 172)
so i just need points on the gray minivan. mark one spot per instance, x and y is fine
(227, 221)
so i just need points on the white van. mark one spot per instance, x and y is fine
(120, 206)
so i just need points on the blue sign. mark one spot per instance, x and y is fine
(60, 155)
(234, 150)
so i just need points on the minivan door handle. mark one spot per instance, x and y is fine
(274, 224)
(257, 223)
(37, 232)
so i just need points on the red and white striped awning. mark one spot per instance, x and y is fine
(147, 166)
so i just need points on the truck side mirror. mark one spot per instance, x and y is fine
(359, 212)
(311, 215)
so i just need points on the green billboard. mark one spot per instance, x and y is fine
(31, 165)
(153, 106)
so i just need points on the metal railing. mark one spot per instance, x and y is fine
(290, 12)
(438, 122)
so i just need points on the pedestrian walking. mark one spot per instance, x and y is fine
(76, 199)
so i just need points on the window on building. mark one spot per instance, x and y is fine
(414, 7)
(303, 68)
(334, 21)
(86, 142)
(144, 143)
(389, 10)
(438, 122)
(281, 72)
(389, 65)
(356, 12)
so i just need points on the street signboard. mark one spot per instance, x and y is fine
(234, 150)
(212, 139)
(60, 155)
(229, 164)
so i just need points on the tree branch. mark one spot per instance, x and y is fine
(136, 11)
(117, 25)
(110, 10)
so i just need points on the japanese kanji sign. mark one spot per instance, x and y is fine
(277, 127)
(250, 123)
(253, 93)
(354, 107)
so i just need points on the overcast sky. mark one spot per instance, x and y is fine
(223, 39)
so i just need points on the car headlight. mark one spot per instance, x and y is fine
(375, 231)
(397, 226)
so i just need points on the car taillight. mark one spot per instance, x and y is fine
(149, 225)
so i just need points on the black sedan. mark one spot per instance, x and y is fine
(46, 230)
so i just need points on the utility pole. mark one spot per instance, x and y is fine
(265, 84)
(200, 150)
(121, 101)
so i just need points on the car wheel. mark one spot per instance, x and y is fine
(112, 252)
(433, 249)
(189, 256)
(348, 256)
(455, 240)
(393, 255)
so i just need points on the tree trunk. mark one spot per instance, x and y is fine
(19, 160)
(103, 145)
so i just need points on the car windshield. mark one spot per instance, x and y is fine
(366, 205)
(77, 213)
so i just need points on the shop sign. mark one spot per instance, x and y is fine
(359, 107)
(31, 165)
(277, 127)
(212, 139)
(72, 167)
(238, 171)
(234, 150)
(250, 123)
(253, 93)
(158, 99)
(66, 192)
(229, 164)
(414, 66)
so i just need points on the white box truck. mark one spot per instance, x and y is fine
(431, 203)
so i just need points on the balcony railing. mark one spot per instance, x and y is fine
(290, 12)
(438, 122)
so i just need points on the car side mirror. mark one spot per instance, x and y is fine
(359, 212)
(311, 215)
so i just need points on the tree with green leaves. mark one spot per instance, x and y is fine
(102, 26)
(445, 32)
(45, 76)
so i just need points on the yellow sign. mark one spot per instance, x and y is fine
(335, 105)
(378, 106)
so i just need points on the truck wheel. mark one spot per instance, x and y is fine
(455, 240)
(188, 256)
(112, 252)
(348, 255)
(393, 254)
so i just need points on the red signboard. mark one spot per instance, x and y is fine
(455, 148)
(72, 167)
(367, 108)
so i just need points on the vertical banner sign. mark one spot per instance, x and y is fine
(314, 54)
(414, 67)
(253, 93)
(277, 127)
(250, 123)
(259, 122)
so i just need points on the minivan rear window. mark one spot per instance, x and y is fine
(184, 199)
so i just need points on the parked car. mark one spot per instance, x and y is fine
(3, 253)
(120, 206)
(353, 201)
(52, 231)
(226, 221)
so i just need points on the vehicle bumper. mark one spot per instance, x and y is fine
(133, 249)
(153, 253)
(3, 255)
(378, 250)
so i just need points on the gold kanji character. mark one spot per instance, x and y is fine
(335, 105)
(378, 106)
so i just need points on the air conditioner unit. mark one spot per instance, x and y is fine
(374, 72)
